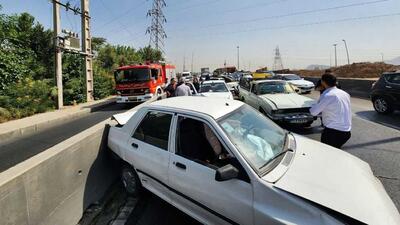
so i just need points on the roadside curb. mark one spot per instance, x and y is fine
(29, 125)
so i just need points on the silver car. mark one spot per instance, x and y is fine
(222, 162)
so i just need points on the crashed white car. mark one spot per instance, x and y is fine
(277, 100)
(304, 86)
(216, 89)
(222, 162)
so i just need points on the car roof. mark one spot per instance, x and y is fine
(214, 107)
(285, 74)
(212, 81)
(268, 81)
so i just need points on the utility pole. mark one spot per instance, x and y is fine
(382, 57)
(58, 55)
(184, 63)
(238, 58)
(156, 29)
(191, 65)
(347, 51)
(87, 49)
(334, 45)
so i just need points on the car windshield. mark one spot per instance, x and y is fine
(257, 138)
(213, 87)
(292, 77)
(185, 74)
(275, 88)
(132, 75)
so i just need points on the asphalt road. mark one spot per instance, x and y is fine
(18, 150)
(375, 139)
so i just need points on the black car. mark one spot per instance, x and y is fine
(385, 93)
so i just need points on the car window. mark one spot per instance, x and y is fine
(394, 78)
(198, 142)
(274, 88)
(213, 87)
(257, 138)
(254, 89)
(154, 129)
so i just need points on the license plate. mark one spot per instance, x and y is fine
(132, 98)
(298, 121)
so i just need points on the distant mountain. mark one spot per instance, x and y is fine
(317, 67)
(395, 61)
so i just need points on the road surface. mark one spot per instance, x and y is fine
(18, 150)
(375, 139)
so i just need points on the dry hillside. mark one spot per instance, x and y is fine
(355, 70)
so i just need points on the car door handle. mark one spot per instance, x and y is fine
(387, 86)
(134, 145)
(180, 165)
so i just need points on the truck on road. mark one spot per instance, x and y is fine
(140, 82)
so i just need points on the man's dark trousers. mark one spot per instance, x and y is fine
(335, 138)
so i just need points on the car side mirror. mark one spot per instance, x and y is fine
(227, 172)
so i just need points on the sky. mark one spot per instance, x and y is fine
(209, 31)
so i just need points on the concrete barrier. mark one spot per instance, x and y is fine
(57, 185)
(355, 87)
(29, 125)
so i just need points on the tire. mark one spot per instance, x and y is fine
(131, 181)
(382, 105)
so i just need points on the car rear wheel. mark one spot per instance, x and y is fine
(382, 105)
(131, 181)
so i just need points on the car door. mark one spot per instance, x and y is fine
(253, 98)
(192, 177)
(393, 87)
(147, 150)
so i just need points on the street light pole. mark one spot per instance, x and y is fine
(347, 51)
(334, 45)
(238, 58)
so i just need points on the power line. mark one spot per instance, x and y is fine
(196, 5)
(292, 14)
(120, 23)
(301, 25)
(115, 18)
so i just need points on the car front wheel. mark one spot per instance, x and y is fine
(131, 181)
(382, 105)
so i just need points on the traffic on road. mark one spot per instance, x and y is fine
(250, 153)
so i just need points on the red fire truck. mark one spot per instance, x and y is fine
(140, 82)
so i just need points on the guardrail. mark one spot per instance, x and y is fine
(355, 87)
(57, 185)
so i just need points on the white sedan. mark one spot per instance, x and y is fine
(215, 88)
(304, 86)
(222, 162)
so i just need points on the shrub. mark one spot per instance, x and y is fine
(26, 97)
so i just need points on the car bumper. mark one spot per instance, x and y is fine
(305, 89)
(133, 99)
(294, 118)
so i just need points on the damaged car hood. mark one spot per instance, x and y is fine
(286, 101)
(337, 180)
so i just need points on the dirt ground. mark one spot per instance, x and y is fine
(355, 70)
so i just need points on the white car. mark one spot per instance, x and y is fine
(277, 100)
(222, 162)
(216, 89)
(304, 86)
(187, 76)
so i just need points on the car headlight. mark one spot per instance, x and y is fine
(118, 93)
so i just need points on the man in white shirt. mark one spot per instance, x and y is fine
(182, 89)
(334, 105)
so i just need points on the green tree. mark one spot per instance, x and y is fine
(150, 54)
